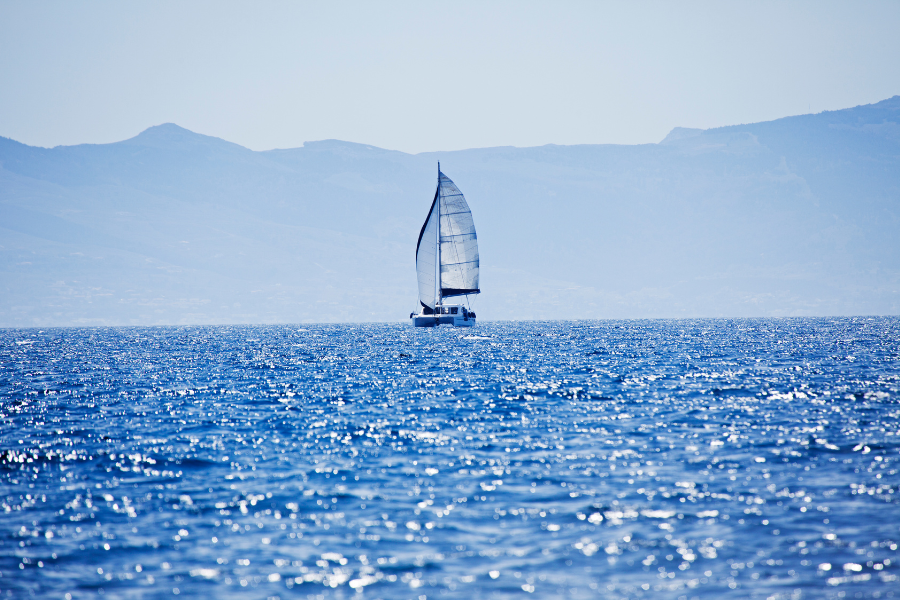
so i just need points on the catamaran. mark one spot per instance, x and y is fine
(446, 259)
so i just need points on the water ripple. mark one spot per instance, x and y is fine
(622, 459)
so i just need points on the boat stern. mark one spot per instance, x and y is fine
(456, 316)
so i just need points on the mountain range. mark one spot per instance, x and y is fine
(793, 217)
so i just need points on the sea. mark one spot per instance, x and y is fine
(672, 459)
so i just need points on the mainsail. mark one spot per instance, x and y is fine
(449, 222)
(459, 245)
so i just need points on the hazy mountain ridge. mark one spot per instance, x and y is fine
(793, 216)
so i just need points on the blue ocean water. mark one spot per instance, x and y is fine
(616, 459)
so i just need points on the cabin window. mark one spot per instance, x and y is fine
(453, 310)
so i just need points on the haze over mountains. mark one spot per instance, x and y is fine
(797, 216)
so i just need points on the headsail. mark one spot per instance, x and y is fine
(426, 256)
(459, 244)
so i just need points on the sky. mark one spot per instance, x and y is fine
(426, 76)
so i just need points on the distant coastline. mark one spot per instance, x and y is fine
(795, 216)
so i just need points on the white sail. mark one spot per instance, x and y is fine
(449, 222)
(426, 257)
(459, 244)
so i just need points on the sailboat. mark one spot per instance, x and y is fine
(446, 259)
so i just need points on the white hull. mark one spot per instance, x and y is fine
(421, 320)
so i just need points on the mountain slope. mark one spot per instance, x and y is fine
(791, 217)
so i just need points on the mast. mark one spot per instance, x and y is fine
(438, 278)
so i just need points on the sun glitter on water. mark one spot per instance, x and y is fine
(622, 459)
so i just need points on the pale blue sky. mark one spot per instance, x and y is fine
(417, 76)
